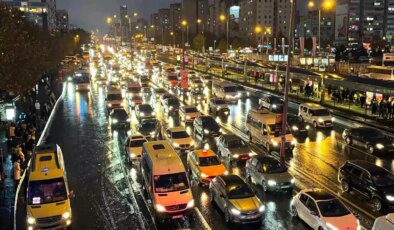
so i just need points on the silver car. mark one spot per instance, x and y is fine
(233, 148)
(269, 173)
(218, 106)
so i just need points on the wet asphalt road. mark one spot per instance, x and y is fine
(108, 192)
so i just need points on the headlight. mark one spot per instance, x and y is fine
(235, 155)
(226, 172)
(271, 183)
(152, 133)
(274, 106)
(379, 146)
(358, 225)
(235, 211)
(192, 143)
(170, 108)
(142, 114)
(320, 120)
(203, 175)
(252, 154)
(175, 144)
(206, 131)
(295, 128)
(160, 208)
(121, 104)
(307, 127)
(132, 155)
(128, 120)
(275, 143)
(188, 117)
(153, 113)
(293, 142)
(114, 121)
(228, 96)
(332, 118)
(31, 220)
(66, 215)
(262, 208)
(239, 94)
(390, 198)
(109, 104)
(190, 204)
(331, 226)
(292, 181)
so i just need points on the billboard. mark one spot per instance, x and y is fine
(341, 22)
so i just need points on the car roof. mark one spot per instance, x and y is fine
(164, 158)
(232, 180)
(204, 153)
(366, 129)
(319, 194)
(177, 129)
(136, 137)
(262, 159)
(312, 106)
(371, 168)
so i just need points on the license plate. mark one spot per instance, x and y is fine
(177, 216)
(244, 158)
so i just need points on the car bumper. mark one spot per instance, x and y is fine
(174, 215)
(121, 125)
(281, 187)
(244, 219)
(61, 224)
(325, 124)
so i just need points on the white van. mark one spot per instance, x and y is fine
(225, 90)
(262, 129)
(384, 222)
(165, 180)
(316, 115)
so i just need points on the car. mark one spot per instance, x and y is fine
(196, 83)
(114, 100)
(133, 88)
(144, 111)
(150, 128)
(218, 106)
(233, 148)
(204, 165)
(370, 180)
(133, 147)
(159, 91)
(112, 87)
(242, 92)
(164, 97)
(384, 222)
(135, 100)
(197, 94)
(272, 103)
(322, 210)
(179, 138)
(297, 126)
(370, 139)
(316, 115)
(188, 113)
(236, 200)
(269, 173)
(206, 126)
(118, 118)
(207, 80)
(171, 105)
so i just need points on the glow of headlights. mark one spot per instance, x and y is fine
(160, 208)
(262, 208)
(153, 113)
(293, 142)
(142, 114)
(66, 215)
(206, 131)
(114, 121)
(31, 220)
(274, 106)
(358, 225)
(203, 175)
(235, 211)
(109, 104)
(275, 143)
(320, 120)
(332, 118)
(295, 128)
(128, 120)
(190, 204)
(226, 172)
(390, 198)
(252, 154)
(307, 127)
(271, 183)
(176, 144)
(292, 181)
(152, 133)
(188, 117)
(132, 155)
(235, 155)
(379, 146)
(331, 226)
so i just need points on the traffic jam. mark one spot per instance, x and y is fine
(205, 150)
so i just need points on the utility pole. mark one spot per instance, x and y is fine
(286, 90)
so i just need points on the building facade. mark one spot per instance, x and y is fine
(124, 24)
(192, 10)
(62, 21)
(175, 17)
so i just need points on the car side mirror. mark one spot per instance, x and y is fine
(71, 194)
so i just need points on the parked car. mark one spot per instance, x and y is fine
(236, 200)
(233, 148)
(372, 140)
(370, 180)
(322, 210)
(269, 173)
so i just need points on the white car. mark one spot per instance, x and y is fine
(316, 115)
(322, 211)
(188, 113)
(384, 222)
(133, 146)
(179, 138)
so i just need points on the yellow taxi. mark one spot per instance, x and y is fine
(204, 165)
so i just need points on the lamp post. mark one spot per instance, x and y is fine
(200, 22)
(184, 24)
(223, 18)
(326, 5)
(258, 30)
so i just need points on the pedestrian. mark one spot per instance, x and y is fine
(17, 172)
(374, 106)
(329, 90)
(362, 100)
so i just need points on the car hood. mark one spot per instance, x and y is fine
(197, 114)
(54, 209)
(279, 177)
(245, 204)
(240, 151)
(173, 198)
(136, 150)
(182, 141)
(382, 140)
(342, 222)
(215, 170)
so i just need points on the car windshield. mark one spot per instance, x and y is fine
(239, 191)
(273, 167)
(230, 89)
(47, 191)
(240, 88)
(136, 98)
(135, 89)
(191, 110)
(82, 79)
(209, 122)
(320, 112)
(160, 90)
(149, 124)
(171, 182)
(209, 161)
(332, 208)
(111, 97)
(220, 102)
(120, 113)
(197, 81)
(145, 108)
(173, 102)
(276, 100)
(383, 179)
(137, 143)
(236, 143)
(172, 78)
(180, 134)
(294, 119)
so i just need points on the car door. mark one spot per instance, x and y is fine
(313, 215)
(222, 195)
(356, 137)
(252, 169)
(302, 209)
(366, 183)
(356, 181)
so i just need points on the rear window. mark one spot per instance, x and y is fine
(137, 143)
(158, 147)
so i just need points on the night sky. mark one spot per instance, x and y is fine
(91, 14)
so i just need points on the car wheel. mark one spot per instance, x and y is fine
(370, 149)
(348, 141)
(315, 124)
(345, 186)
(226, 215)
(264, 185)
(293, 211)
(377, 204)
(320, 228)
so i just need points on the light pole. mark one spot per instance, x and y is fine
(223, 18)
(326, 5)
(286, 90)
(184, 24)
(200, 22)
(258, 30)
(214, 45)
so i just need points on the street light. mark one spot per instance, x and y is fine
(184, 24)
(109, 20)
(223, 18)
(259, 30)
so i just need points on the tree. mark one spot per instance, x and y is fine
(236, 43)
(222, 46)
(198, 42)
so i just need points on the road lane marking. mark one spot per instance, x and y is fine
(202, 219)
